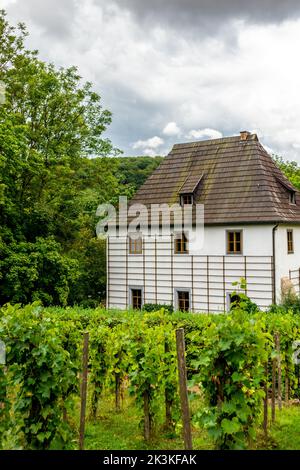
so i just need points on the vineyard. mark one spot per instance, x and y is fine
(240, 371)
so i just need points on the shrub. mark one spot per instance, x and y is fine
(232, 353)
(157, 307)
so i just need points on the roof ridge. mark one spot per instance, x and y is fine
(235, 138)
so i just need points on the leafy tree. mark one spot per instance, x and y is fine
(36, 271)
(291, 170)
(50, 124)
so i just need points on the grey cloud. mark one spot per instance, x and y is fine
(148, 78)
(212, 13)
(206, 17)
(55, 17)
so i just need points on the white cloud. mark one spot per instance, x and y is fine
(269, 150)
(171, 129)
(150, 152)
(204, 134)
(152, 143)
(7, 3)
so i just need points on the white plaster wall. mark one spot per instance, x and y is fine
(284, 261)
(257, 240)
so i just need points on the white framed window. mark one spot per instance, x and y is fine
(186, 199)
(183, 299)
(290, 241)
(136, 297)
(135, 244)
(181, 244)
(234, 242)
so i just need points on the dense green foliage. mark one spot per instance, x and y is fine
(134, 171)
(226, 358)
(291, 169)
(231, 371)
(156, 307)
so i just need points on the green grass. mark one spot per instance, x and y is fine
(284, 434)
(123, 431)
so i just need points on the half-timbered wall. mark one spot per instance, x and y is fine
(159, 273)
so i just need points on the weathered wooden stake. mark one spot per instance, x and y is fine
(279, 379)
(85, 357)
(118, 392)
(65, 415)
(185, 411)
(274, 361)
(265, 423)
(147, 418)
(286, 386)
(4, 388)
(168, 400)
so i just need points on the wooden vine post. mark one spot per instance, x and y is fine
(184, 401)
(273, 388)
(147, 416)
(279, 379)
(265, 422)
(83, 394)
(168, 398)
(118, 392)
(286, 382)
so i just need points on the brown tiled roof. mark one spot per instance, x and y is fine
(239, 182)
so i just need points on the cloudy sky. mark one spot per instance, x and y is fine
(179, 70)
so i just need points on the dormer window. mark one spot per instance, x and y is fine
(288, 187)
(292, 197)
(186, 199)
(189, 188)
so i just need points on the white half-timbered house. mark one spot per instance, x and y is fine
(251, 231)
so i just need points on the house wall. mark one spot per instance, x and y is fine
(208, 273)
(257, 240)
(284, 261)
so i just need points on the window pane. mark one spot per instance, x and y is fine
(234, 242)
(181, 244)
(184, 301)
(290, 241)
(186, 199)
(136, 299)
(135, 245)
